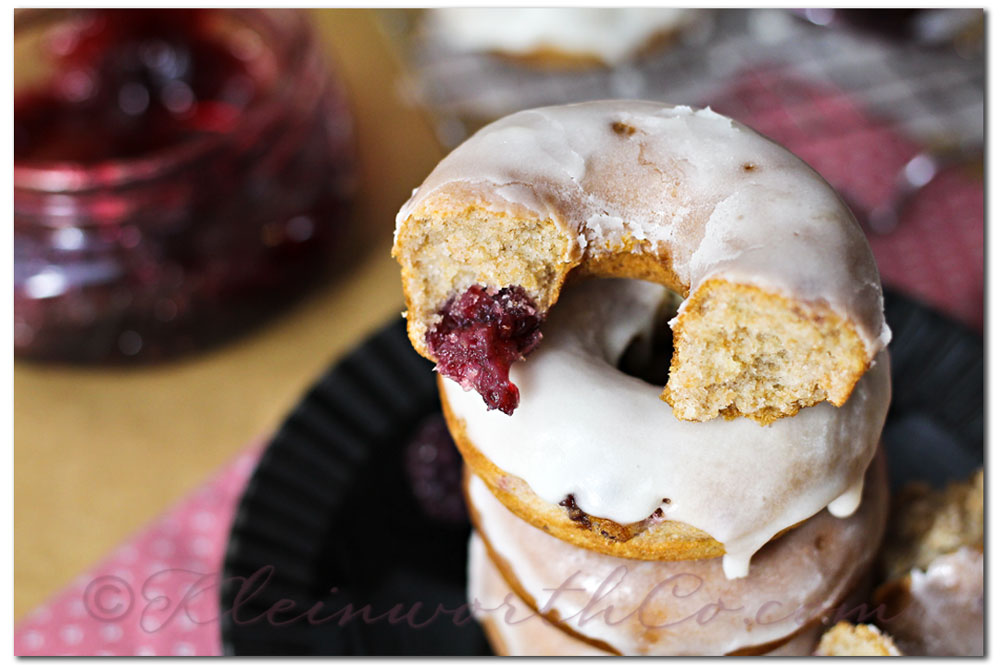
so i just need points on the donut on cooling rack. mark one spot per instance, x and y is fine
(560, 37)
(782, 300)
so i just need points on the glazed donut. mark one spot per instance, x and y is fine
(594, 458)
(685, 608)
(933, 561)
(783, 303)
(515, 629)
(929, 522)
(938, 611)
(557, 36)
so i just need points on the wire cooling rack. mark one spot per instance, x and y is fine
(931, 90)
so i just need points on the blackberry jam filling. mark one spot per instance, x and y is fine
(481, 333)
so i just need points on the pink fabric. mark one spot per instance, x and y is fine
(158, 593)
(936, 253)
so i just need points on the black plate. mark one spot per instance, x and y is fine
(332, 504)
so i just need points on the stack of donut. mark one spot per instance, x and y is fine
(554, 265)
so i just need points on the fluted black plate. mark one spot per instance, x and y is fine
(329, 518)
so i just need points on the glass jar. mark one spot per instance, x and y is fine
(178, 176)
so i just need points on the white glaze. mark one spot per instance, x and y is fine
(536, 636)
(520, 629)
(585, 428)
(612, 35)
(621, 601)
(718, 198)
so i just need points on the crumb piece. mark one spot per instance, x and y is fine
(928, 523)
(847, 639)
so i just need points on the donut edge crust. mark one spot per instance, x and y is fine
(667, 540)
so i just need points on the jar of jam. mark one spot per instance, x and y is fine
(179, 175)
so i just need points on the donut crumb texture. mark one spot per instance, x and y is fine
(857, 640)
(742, 351)
(927, 523)
(475, 300)
(450, 249)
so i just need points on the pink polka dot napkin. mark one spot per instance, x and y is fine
(157, 594)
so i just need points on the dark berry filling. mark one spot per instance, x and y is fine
(574, 512)
(130, 82)
(481, 333)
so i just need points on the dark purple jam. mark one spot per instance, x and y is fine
(481, 333)
(128, 82)
(179, 176)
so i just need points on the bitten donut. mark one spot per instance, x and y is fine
(782, 300)
(515, 629)
(595, 458)
(686, 608)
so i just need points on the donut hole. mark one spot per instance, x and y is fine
(648, 357)
(649, 360)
